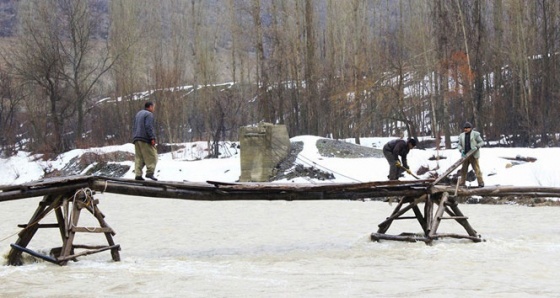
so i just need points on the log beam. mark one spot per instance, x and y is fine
(437, 218)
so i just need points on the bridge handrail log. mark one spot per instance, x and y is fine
(217, 191)
(500, 191)
(18, 194)
(255, 192)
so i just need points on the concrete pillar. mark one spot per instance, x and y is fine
(262, 148)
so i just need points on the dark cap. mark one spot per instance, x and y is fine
(412, 141)
(467, 125)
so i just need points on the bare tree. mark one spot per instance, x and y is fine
(37, 60)
(11, 114)
(127, 39)
(331, 68)
(55, 58)
(522, 90)
(86, 63)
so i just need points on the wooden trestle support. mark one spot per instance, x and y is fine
(428, 221)
(67, 208)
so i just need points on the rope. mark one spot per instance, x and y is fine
(9, 236)
(313, 163)
(28, 226)
(88, 193)
(307, 161)
(88, 200)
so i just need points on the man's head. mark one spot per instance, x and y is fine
(467, 127)
(412, 143)
(149, 106)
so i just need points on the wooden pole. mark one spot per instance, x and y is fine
(461, 219)
(255, 192)
(67, 246)
(428, 214)
(437, 217)
(44, 191)
(454, 166)
(108, 235)
(421, 218)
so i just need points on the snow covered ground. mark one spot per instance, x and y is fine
(189, 165)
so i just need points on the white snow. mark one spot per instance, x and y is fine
(189, 164)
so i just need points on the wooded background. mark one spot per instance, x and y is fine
(75, 72)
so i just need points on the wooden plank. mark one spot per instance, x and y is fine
(269, 193)
(160, 183)
(67, 245)
(405, 238)
(64, 259)
(60, 217)
(265, 186)
(91, 230)
(457, 236)
(47, 182)
(500, 191)
(43, 191)
(428, 213)
(86, 246)
(405, 217)
(51, 225)
(454, 166)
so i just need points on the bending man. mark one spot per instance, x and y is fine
(392, 150)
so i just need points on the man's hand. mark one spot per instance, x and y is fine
(398, 164)
(153, 142)
(463, 154)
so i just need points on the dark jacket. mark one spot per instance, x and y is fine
(143, 129)
(398, 148)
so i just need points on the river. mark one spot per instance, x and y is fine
(177, 248)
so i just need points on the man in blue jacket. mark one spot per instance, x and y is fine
(470, 140)
(144, 140)
(392, 150)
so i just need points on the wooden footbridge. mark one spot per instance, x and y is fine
(68, 197)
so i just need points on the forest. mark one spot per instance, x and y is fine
(73, 73)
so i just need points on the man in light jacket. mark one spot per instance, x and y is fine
(470, 140)
(144, 140)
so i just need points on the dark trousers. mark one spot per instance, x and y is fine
(394, 172)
